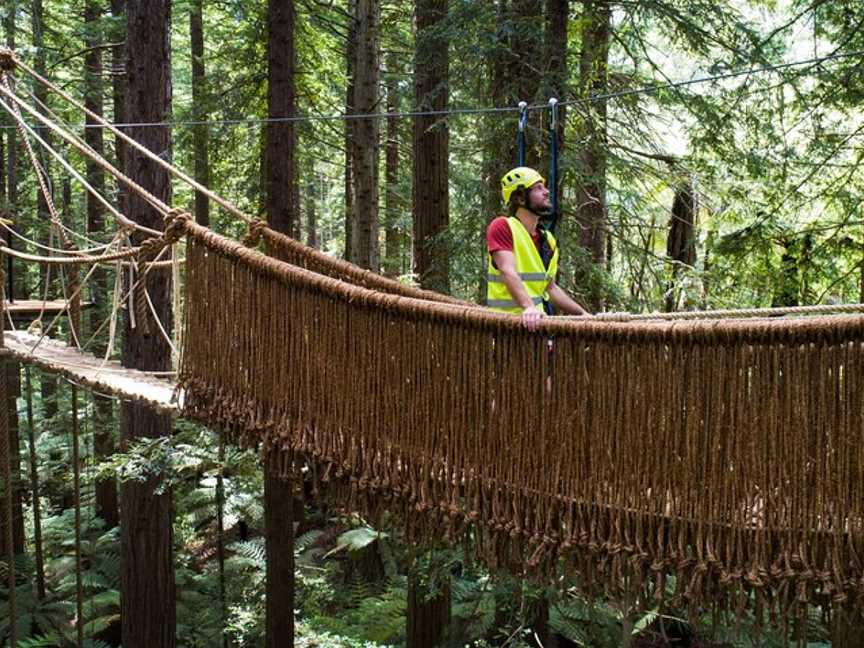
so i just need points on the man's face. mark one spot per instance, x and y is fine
(538, 197)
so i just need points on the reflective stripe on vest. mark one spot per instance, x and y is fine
(529, 267)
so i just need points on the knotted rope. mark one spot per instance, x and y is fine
(725, 453)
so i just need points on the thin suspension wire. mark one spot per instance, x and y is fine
(227, 206)
(154, 202)
(87, 251)
(469, 110)
(123, 220)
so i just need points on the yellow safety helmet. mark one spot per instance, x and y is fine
(520, 177)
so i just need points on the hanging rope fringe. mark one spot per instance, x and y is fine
(727, 454)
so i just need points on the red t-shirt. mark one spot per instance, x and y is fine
(499, 236)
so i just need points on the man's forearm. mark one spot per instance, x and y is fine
(517, 289)
(564, 302)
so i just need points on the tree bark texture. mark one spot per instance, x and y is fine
(392, 259)
(15, 286)
(349, 124)
(427, 618)
(593, 79)
(312, 210)
(281, 187)
(681, 241)
(431, 147)
(118, 90)
(103, 441)
(282, 205)
(366, 146)
(200, 109)
(147, 572)
(6, 512)
(279, 539)
(557, 12)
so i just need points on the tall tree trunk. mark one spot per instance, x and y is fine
(15, 281)
(427, 618)
(13, 391)
(118, 90)
(147, 568)
(282, 203)
(6, 513)
(48, 383)
(200, 132)
(103, 439)
(365, 227)
(430, 194)
(279, 541)
(557, 12)
(281, 185)
(349, 125)
(392, 259)
(681, 240)
(591, 198)
(312, 210)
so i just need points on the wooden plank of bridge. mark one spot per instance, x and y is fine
(83, 368)
(36, 306)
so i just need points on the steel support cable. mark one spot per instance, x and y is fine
(454, 111)
(85, 252)
(226, 205)
(154, 202)
(123, 220)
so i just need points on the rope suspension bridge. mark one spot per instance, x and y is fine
(720, 451)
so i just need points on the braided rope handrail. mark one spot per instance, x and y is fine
(730, 313)
(69, 260)
(699, 329)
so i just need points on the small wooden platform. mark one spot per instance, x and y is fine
(109, 377)
(35, 306)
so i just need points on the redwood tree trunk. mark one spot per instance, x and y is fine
(428, 622)
(118, 89)
(282, 203)
(392, 260)
(367, 75)
(147, 569)
(279, 541)
(281, 185)
(593, 79)
(103, 441)
(200, 132)
(350, 67)
(431, 204)
(15, 287)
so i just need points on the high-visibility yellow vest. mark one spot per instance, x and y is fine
(529, 265)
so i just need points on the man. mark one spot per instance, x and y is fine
(523, 257)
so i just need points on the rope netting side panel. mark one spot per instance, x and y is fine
(726, 454)
(285, 248)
